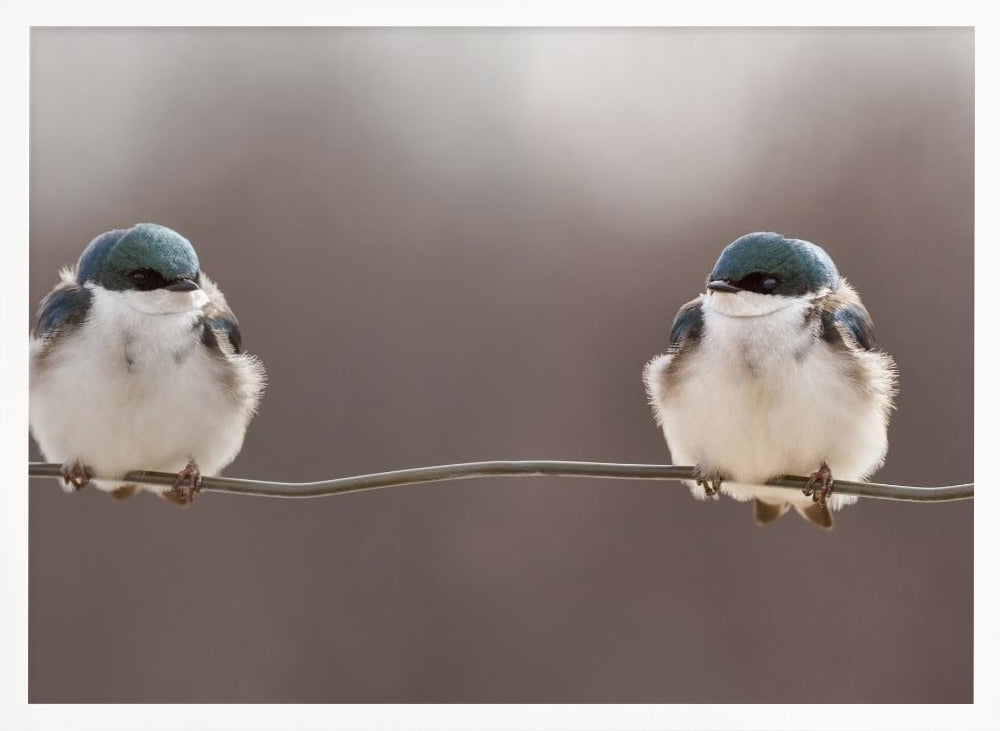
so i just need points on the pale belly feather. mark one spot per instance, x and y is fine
(761, 397)
(132, 391)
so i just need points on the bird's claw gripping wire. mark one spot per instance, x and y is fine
(184, 494)
(820, 484)
(710, 480)
(76, 474)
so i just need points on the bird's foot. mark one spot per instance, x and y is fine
(76, 475)
(820, 484)
(182, 493)
(710, 480)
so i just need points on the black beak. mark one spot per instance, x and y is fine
(720, 285)
(183, 285)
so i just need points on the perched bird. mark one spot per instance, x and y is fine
(774, 371)
(136, 363)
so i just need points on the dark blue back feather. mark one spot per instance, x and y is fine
(64, 305)
(92, 258)
(231, 328)
(855, 320)
(687, 323)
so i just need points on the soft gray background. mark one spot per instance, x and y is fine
(454, 245)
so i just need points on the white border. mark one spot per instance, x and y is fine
(15, 21)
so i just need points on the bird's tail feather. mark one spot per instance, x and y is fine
(764, 513)
(818, 514)
(124, 492)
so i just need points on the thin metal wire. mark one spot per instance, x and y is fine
(526, 468)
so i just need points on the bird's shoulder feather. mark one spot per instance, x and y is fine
(219, 318)
(64, 308)
(844, 319)
(688, 323)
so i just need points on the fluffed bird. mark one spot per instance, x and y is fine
(774, 371)
(137, 364)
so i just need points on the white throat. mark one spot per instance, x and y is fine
(750, 304)
(156, 301)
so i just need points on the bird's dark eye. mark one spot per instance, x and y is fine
(146, 279)
(759, 282)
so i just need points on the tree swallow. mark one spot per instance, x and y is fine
(136, 364)
(774, 371)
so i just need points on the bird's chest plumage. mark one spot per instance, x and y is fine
(140, 362)
(758, 397)
(130, 390)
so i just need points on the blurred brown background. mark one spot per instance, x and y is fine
(455, 245)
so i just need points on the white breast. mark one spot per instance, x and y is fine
(134, 388)
(761, 396)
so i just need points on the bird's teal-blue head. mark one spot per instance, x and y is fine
(145, 257)
(768, 263)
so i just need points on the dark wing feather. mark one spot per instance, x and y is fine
(660, 374)
(851, 319)
(219, 319)
(688, 323)
(859, 324)
(227, 326)
(65, 306)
